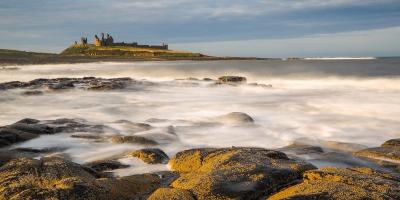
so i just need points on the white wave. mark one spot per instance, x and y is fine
(340, 58)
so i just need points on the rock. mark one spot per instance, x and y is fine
(331, 145)
(392, 143)
(133, 139)
(235, 173)
(87, 136)
(55, 178)
(89, 83)
(231, 79)
(105, 165)
(33, 93)
(207, 79)
(150, 156)
(130, 187)
(27, 129)
(301, 149)
(48, 178)
(171, 194)
(387, 155)
(339, 183)
(236, 118)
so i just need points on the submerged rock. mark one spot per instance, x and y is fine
(150, 156)
(33, 93)
(172, 194)
(231, 79)
(236, 118)
(387, 155)
(105, 165)
(133, 139)
(234, 173)
(337, 183)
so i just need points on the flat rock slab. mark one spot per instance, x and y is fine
(234, 173)
(343, 183)
(88, 83)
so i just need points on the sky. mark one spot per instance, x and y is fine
(262, 28)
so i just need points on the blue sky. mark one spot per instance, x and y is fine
(265, 28)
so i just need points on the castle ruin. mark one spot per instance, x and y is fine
(108, 40)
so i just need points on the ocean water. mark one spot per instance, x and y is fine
(353, 101)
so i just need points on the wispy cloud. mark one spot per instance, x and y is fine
(190, 20)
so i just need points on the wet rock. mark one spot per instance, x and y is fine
(133, 127)
(150, 155)
(48, 178)
(331, 145)
(231, 79)
(235, 173)
(133, 139)
(392, 143)
(342, 183)
(171, 193)
(208, 79)
(301, 149)
(33, 93)
(89, 83)
(236, 118)
(87, 136)
(130, 187)
(105, 165)
(387, 155)
(55, 178)
(28, 129)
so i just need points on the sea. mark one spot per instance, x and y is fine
(342, 100)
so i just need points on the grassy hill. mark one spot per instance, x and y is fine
(124, 51)
(15, 53)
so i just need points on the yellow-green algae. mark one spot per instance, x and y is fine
(342, 183)
(232, 173)
(171, 194)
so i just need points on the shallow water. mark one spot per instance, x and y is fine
(345, 101)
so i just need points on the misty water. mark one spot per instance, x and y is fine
(353, 101)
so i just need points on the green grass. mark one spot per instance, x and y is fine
(16, 53)
(123, 51)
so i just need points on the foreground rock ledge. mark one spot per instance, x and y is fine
(337, 183)
(235, 173)
(55, 178)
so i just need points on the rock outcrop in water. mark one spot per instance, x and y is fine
(28, 129)
(55, 178)
(342, 183)
(236, 118)
(387, 155)
(88, 83)
(150, 156)
(234, 173)
(231, 79)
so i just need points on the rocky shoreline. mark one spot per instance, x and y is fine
(291, 172)
(203, 173)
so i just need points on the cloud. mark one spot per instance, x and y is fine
(63, 21)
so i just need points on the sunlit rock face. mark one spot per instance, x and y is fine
(343, 183)
(234, 173)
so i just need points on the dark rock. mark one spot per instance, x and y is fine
(300, 149)
(235, 173)
(55, 178)
(62, 86)
(133, 139)
(33, 93)
(339, 183)
(28, 121)
(207, 79)
(231, 79)
(150, 155)
(105, 165)
(236, 118)
(387, 155)
(392, 143)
